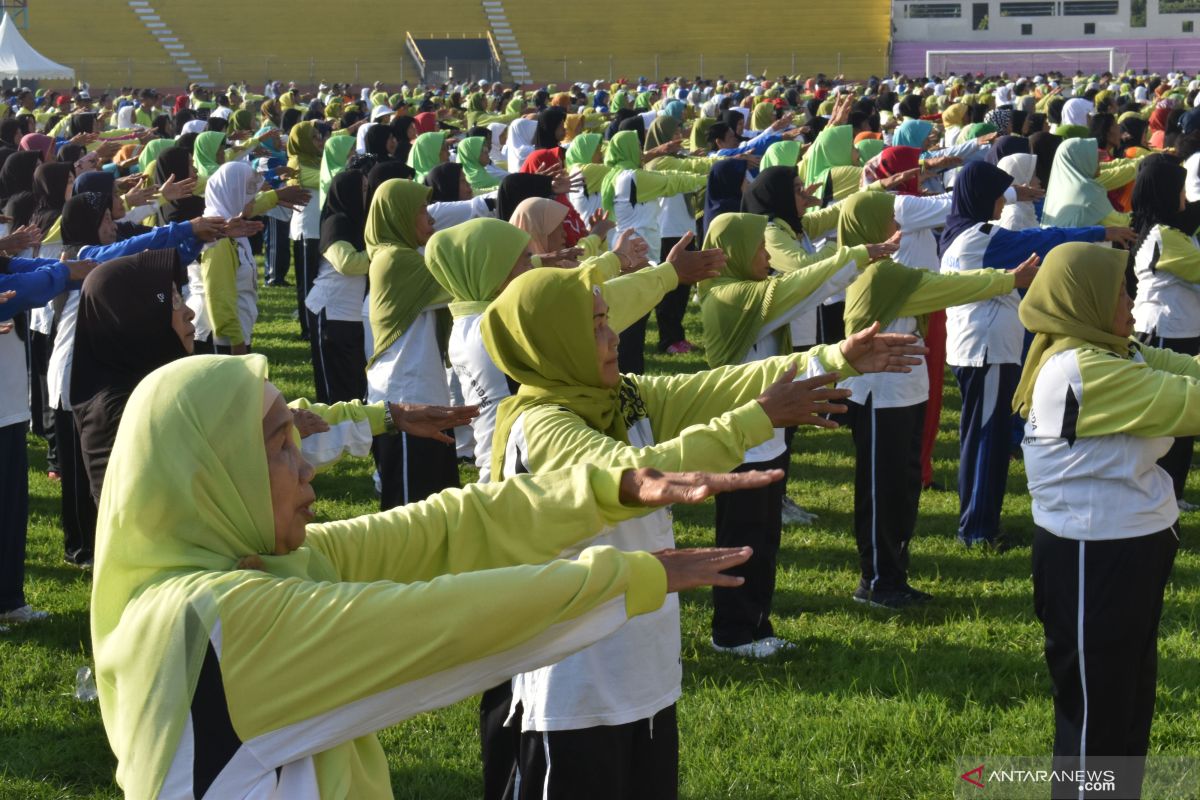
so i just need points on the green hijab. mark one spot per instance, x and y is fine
(151, 152)
(624, 152)
(539, 332)
(661, 131)
(333, 161)
(833, 147)
(977, 129)
(642, 102)
(878, 294)
(1071, 303)
(734, 306)
(469, 150)
(516, 105)
(401, 286)
(426, 153)
(868, 149)
(762, 117)
(240, 120)
(301, 150)
(173, 524)
(698, 138)
(473, 259)
(207, 146)
(579, 156)
(781, 154)
(1072, 131)
(1074, 198)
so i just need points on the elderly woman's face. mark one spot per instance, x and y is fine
(606, 343)
(1122, 324)
(292, 495)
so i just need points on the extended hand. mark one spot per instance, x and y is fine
(872, 351)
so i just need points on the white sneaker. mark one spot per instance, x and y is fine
(793, 514)
(763, 648)
(23, 614)
(1184, 505)
(781, 645)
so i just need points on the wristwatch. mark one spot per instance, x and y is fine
(389, 422)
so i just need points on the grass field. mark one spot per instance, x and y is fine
(870, 704)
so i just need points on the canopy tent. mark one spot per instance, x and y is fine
(19, 60)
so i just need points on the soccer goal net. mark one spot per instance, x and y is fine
(1087, 60)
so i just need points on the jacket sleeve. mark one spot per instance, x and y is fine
(34, 287)
(786, 253)
(937, 291)
(1006, 249)
(265, 201)
(652, 185)
(173, 236)
(820, 221)
(1160, 397)
(804, 289)
(1118, 172)
(1179, 256)
(346, 260)
(352, 428)
(635, 294)
(218, 270)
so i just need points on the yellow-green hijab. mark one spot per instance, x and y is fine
(834, 147)
(624, 152)
(151, 152)
(539, 333)
(333, 161)
(401, 286)
(781, 154)
(762, 117)
(472, 260)
(698, 138)
(734, 306)
(186, 496)
(878, 294)
(208, 145)
(426, 153)
(301, 150)
(661, 131)
(579, 156)
(469, 151)
(1071, 303)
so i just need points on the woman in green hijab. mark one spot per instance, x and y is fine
(548, 331)
(428, 150)
(887, 413)
(584, 157)
(1102, 410)
(1076, 197)
(475, 158)
(834, 147)
(208, 155)
(305, 151)
(333, 161)
(237, 643)
(782, 154)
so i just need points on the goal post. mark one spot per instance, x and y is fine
(1025, 61)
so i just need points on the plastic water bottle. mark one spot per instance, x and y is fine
(85, 685)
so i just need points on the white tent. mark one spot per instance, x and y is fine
(19, 60)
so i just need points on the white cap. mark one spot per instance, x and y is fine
(381, 110)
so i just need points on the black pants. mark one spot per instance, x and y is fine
(14, 515)
(206, 347)
(78, 507)
(499, 745)
(887, 490)
(41, 410)
(635, 761)
(412, 468)
(831, 325)
(750, 517)
(306, 253)
(631, 350)
(670, 310)
(1100, 603)
(278, 258)
(339, 363)
(1178, 460)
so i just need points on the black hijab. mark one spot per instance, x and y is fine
(1133, 132)
(82, 123)
(289, 119)
(400, 127)
(17, 173)
(344, 217)
(548, 122)
(976, 189)
(1006, 146)
(386, 172)
(175, 162)
(11, 133)
(20, 208)
(614, 126)
(1155, 199)
(1044, 146)
(518, 187)
(732, 117)
(773, 195)
(81, 218)
(376, 140)
(50, 182)
(187, 141)
(910, 106)
(724, 191)
(123, 333)
(638, 126)
(444, 179)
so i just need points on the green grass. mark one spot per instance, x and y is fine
(870, 705)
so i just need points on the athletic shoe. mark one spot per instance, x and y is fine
(894, 600)
(763, 648)
(917, 595)
(679, 348)
(781, 645)
(1184, 505)
(23, 614)
(793, 514)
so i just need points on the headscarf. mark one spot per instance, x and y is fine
(518, 186)
(344, 214)
(401, 286)
(734, 306)
(773, 195)
(19, 209)
(499, 133)
(96, 181)
(1134, 127)
(1006, 146)
(978, 186)
(469, 151)
(175, 162)
(1021, 214)
(539, 333)
(546, 133)
(333, 161)
(50, 182)
(913, 133)
(785, 153)
(1076, 111)
(1156, 199)
(955, 115)
(1045, 146)
(895, 160)
(426, 122)
(724, 191)
(444, 181)
(381, 173)
(360, 139)
(1070, 304)
(240, 120)
(539, 217)
(81, 218)
(869, 148)
(208, 144)
(301, 150)
(426, 153)
(1001, 118)
(123, 331)
(624, 152)
(37, 142)
(375, 140)
(519, 143)
(834, 147)
(538, 159)
(883, 287)
(17, 173)
(471, 261)
(1074, 199)
(978, 129)
(226, 195)
(151, 152)
(661, 131)
(698, 138)
(762, 117)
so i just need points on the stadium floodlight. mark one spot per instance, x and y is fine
(1030, 61)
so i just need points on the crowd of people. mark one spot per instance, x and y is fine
(474, 268)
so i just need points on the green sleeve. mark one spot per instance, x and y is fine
(786, 253)
(601, 268)
(264, 202)
(1115, 219)
(346, 260)
(1118, 172)
(592, 246)
(635, 294)
(218, 270)
(675, 402)
(1160, 397)
(938, 291)
(819, 221)
(653, 185)
(346, 411)
(309, 178)
(1179, 256)
(235, 152)
(694, 166)
(793, 288)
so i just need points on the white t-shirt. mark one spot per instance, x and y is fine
(482, 383)
(339, 296)
(306, 221)
(411, 369)
(14, 389)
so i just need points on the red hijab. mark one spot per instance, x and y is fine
(894, 160)
(426, 122)
(546, 157)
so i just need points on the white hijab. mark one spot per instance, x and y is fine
(194, 126)
(1076, 110)
(361, 146)
(497, 152)
(1020, 215)
(125, 118)
(520, 142)
(226, 194)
